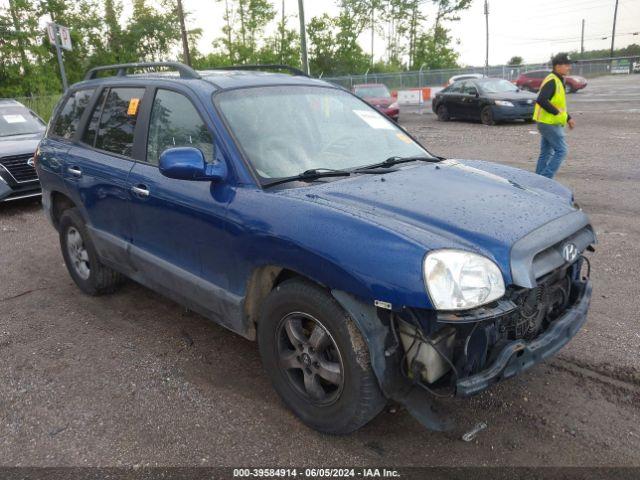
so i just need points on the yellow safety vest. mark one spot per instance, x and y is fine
(559, 100)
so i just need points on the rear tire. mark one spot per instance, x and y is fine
(443, 113)
(486, 116)
(81, 258)
(317, 359)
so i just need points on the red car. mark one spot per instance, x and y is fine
(533, 79)
(378, 96)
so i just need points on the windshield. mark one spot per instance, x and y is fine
(17, 120)
(287, 130)
(373, 91)
(498, 86)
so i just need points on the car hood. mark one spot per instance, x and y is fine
(382, 101)
(467, 204)
(19, 144)
(521, 95)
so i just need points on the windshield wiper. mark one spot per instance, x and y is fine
(391, 161)
(308, 175)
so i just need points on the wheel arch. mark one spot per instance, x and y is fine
(59, 204)
(262, 282)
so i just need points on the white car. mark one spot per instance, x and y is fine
(465, 76)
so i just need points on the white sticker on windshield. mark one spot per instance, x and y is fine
(374, 120)
(14, 118)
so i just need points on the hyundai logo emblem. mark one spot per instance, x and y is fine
(30, 162)
(569, 252)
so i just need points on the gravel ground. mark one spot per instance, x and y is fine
(134, 379)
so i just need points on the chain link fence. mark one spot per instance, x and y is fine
(433, 78)
(42, 105)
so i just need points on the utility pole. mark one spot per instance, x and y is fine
(373, 9)
(486, 16)
(303, 38)
(54, 35)
(183, 32)
(613, 33)
(282, 28)
(582, 39)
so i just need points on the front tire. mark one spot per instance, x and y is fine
(486, 116)
(81, 258)
(317, 359)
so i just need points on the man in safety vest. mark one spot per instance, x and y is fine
(551, 114)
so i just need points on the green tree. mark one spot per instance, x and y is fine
(515, 61)
(433, 50)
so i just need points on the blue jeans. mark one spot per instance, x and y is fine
(553, 149)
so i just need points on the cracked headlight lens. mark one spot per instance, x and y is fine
(459, 280)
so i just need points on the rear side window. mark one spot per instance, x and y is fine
(67, 121)
(469, 88)
(456, 87)
(175, 122)
(114, 119)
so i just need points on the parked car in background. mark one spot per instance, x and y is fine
(20, 131)
(295, 214)
(490, 100)
(464, 76)
(378, 96)
(533, 79)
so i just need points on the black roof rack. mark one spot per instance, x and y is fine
(184, 70)
(293, 70)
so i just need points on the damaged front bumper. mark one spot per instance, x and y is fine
(518, 355)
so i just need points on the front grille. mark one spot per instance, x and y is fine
(525, 103)
(538, 307)
(18, 167)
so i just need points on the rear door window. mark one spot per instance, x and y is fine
(456, 87)
(175, 122)
(117, 112)
(67, 121)
(469, 88)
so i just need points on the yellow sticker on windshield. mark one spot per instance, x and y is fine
(133, 106)
(403, 137)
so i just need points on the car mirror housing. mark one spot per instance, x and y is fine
(187, 163)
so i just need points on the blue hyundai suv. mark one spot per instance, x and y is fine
(291, 212)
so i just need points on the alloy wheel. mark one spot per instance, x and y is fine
(310, 358)
(78, 253)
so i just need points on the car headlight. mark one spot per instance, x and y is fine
(393, 105)
(504, 103)
(459, 280)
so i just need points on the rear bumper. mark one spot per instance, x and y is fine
(518, 356)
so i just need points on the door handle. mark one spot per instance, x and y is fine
(75, 171)
(140, 190)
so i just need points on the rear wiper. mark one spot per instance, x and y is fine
(312, 174)
(391, 161)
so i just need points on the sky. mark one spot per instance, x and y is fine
(532, 29)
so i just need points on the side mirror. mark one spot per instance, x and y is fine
(187, 163)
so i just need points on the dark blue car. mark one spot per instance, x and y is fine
(291, 212)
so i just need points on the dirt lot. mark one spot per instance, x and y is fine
(135, 379)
